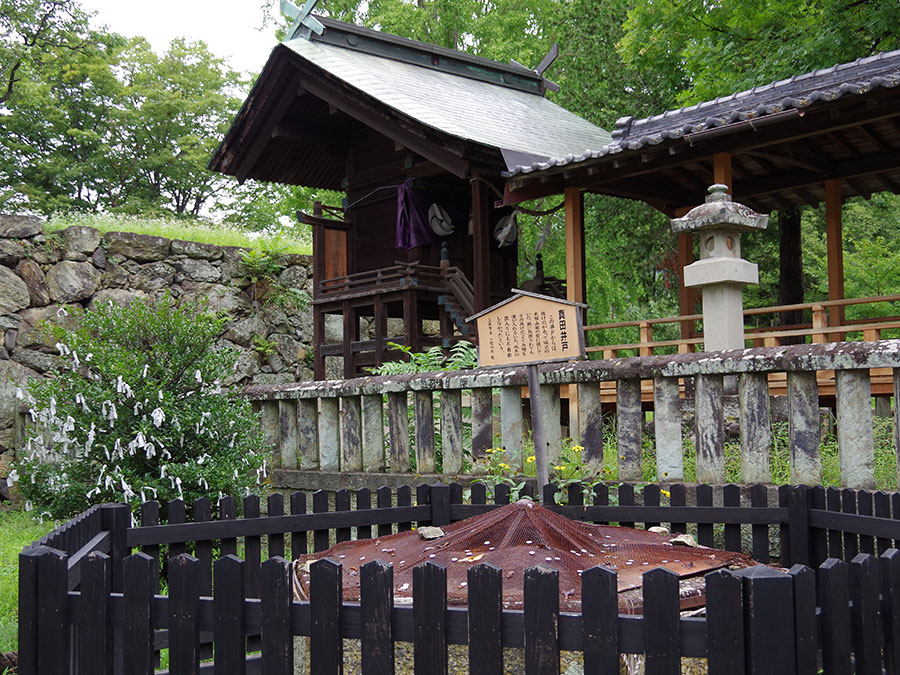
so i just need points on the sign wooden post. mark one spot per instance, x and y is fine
(527, 329)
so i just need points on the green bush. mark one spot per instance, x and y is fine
(137, 412)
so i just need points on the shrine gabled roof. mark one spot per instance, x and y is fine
(488, 113)
(463, 99)
(798, 92)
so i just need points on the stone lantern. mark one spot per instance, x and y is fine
(720, 271)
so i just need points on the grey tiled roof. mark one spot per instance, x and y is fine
(801, 91)
(470, 109)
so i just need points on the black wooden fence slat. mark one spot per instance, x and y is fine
(705, 530)
(326, 648)
(29, 578)
(320, 505)
(731, 497)
(342, 503)
(834, 600)
(541, 609)
(835, 540)
(890, 608)
(866, 614)
(184, 610)
(430, 617)
(784, 530)
(363, 502)
(895, 513)
(819, 536)
(485, 619)
(202, 512)
(548, 494)
(626, 498)
(228, 511)
(275, 507)
(276, 595)
(252, 548)
(662, 645)
(404, 498)
(423, 496)
(576, 494)
(376, 589)
(678, 497)
(798, 528)
(805, 622)
(94, 632)
(501, 494)
(601, 497)
(851, 540)
(299, 544)
(724, 624)
(599, 611)
(478, 494)
(176, 514)
(52, 595)
(149, 517)
(456, 493)
(228, 616)
(759, 498)
(385, 500)
(865, 507)
(882, 510)
(651, 498)
(768, 620)
(137, 633)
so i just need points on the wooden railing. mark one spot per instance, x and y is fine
(461, 288)
(827, 325)
(401, 275)
(333, 433)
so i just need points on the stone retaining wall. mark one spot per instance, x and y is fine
(40, 273)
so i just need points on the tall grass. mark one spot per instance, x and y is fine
(17, 529)
(188, 230)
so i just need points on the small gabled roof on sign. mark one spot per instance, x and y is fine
(519, 293)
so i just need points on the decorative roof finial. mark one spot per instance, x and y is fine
(304, 22)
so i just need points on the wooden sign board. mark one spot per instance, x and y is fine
(529, 328)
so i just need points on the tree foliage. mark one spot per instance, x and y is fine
(709, 49)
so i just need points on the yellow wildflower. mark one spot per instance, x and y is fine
(665, 492)
(530, 460)
(577, 448)
(559, 468)
(503, 465)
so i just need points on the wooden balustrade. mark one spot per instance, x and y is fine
(334, 434)
(817, 331)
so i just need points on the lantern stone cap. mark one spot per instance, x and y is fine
(719, 212)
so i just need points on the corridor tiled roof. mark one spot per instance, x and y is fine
(799, 92)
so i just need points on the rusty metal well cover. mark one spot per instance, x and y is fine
(518, 536)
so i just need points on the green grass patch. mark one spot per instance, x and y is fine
(187, 230)
(17, 529)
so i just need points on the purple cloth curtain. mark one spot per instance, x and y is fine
(412, 218)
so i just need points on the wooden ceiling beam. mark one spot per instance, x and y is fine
(277, 111)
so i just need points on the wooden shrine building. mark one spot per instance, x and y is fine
(418, 138)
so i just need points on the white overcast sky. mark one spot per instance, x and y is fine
(229, 27)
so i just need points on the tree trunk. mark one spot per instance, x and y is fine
(790, 276)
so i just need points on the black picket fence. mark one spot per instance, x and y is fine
(87, 605)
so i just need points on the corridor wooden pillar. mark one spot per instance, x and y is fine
(835, 241)
(576, 280)
(722, 169)
(481, 244)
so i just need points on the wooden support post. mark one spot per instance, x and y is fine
(687, 297)
(722, 170)
(835, 243)
(576, 280)
(481, 249)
